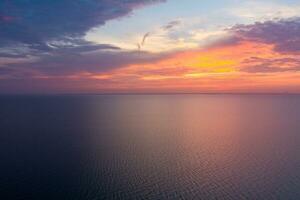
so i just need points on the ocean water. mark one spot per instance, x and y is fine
(150, 147)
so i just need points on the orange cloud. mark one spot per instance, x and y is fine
(241, 67)
(217, 69)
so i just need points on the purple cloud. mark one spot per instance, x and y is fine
(271, 65)
(70, 62)
(284, 34)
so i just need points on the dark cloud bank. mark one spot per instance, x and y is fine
(37, 23)
(52, 32)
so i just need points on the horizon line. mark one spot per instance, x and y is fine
(150, 93)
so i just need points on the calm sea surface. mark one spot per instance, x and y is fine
(150, 147)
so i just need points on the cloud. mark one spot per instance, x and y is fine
(270, 65)
(68, 62)
(144, 38)
(161, 31)
(171, 25)
(267, 69)
(61, 46)
(142, 43)
(279, 38)
(49, 37)
(263, 10)
(283, 34)
(36, 24)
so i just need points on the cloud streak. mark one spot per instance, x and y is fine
(167, 27)
(171, 25)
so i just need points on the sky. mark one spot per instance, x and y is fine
(149, 46)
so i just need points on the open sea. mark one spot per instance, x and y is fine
(94, 147)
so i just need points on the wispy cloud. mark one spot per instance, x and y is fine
(165, 28)
(171, 25)
(263, 10)
(142, 43)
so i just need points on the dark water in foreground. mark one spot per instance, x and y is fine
(150, 147)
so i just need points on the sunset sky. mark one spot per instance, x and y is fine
(149, 46)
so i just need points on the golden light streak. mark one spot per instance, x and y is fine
(218, 69)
